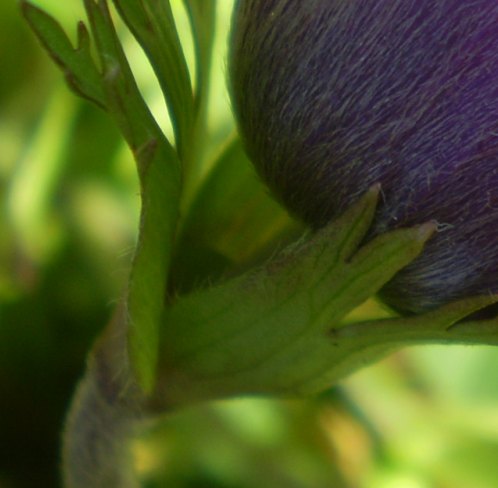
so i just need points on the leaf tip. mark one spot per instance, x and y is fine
(26, 9)
(371, 196)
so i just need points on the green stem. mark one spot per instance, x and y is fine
(280, 330)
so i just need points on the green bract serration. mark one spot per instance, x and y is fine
(281, 329)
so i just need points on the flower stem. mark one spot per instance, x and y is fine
(106, 413)
(96, 440)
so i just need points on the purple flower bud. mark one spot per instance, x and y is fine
(332, 96)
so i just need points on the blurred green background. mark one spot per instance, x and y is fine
(423, 418)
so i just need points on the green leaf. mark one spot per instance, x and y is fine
(153, 25)
(159, 172)
(354, 346)
(300, 284)
(281, 330)
(261, 332)
(123, 97)
(360, 344)
(80, 71)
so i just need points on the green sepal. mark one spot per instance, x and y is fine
(283, 329)
(356, 345)
(77, 63)
(269, 331)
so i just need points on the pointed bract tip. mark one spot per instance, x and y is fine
(426, 230)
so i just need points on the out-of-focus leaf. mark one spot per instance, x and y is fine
(233, 211)
(202, 15)
(232, 221)
(31, 188)
(77, 63)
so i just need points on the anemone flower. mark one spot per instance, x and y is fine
(332, 96)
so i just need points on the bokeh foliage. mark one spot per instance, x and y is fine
(69, 209)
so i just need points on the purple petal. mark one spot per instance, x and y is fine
(333, 96)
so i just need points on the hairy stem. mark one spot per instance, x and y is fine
(96, 441)
(106, 413)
